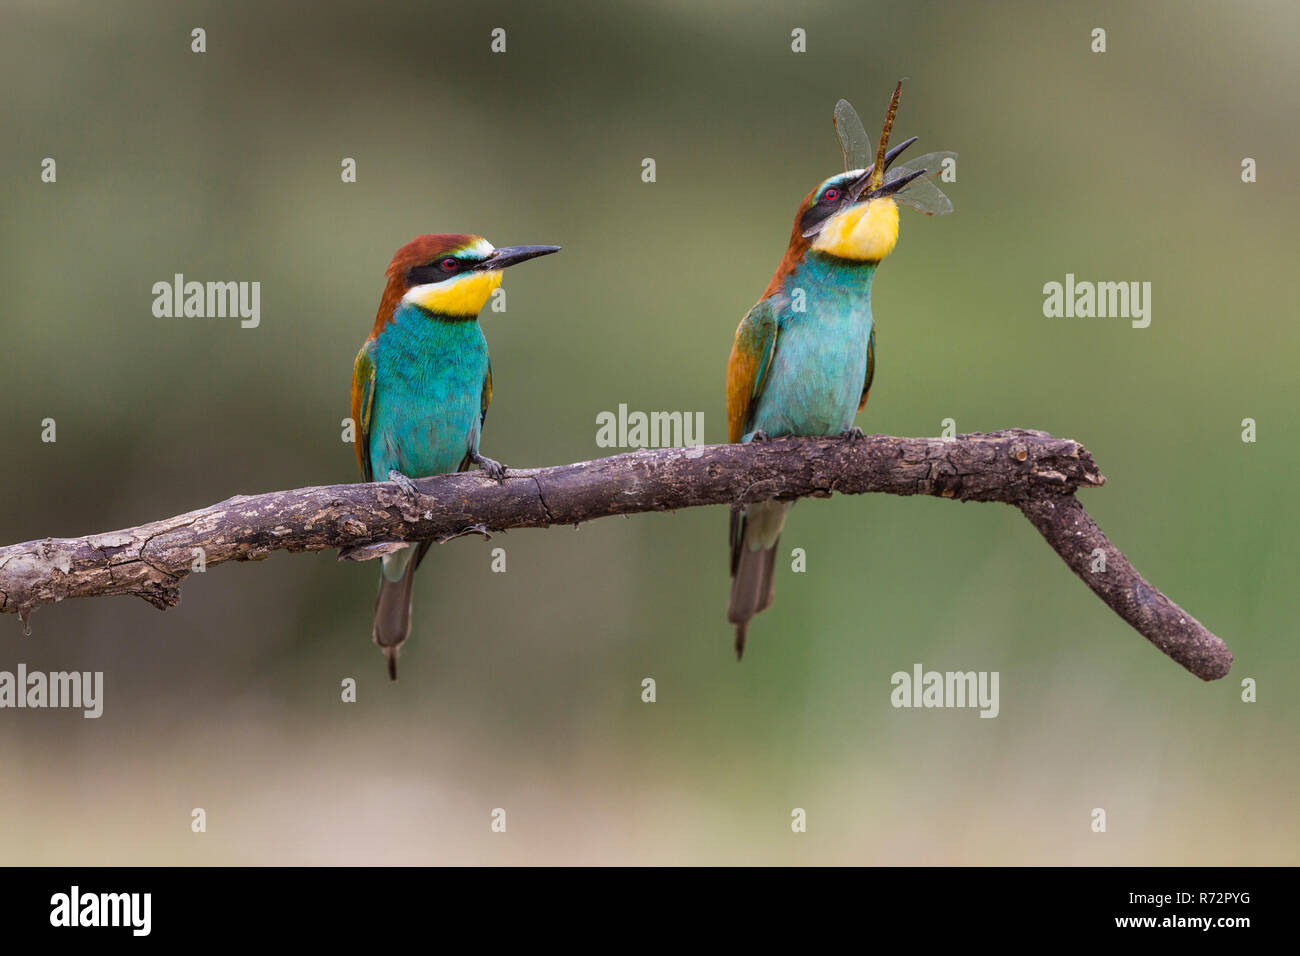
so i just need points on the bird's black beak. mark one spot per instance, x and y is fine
(892, 187)
(893, 153)
(513, 255)
(860, 184)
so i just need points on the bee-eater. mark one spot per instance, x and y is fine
(804, 357)
(421, 387)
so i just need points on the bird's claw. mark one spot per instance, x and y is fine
(854, 434)
(495, 470)
(406, 484)
(760, 435)
(472, 529)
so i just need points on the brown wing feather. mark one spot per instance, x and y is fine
(751, 357)
(363, 401)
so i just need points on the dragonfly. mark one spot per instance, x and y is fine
(920, 192)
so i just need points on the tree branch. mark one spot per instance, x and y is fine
(1031, 470)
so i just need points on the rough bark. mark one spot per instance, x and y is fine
(1028, 469)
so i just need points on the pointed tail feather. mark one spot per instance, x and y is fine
(751, 590)
(754, 539)
(741, 630)
(393, 606)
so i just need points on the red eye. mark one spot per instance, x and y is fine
(450, 264)
(831, 194)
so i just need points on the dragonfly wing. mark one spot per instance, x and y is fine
(922, 194)
(855, 144)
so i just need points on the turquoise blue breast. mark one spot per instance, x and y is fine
(429, 375)
(815, 382)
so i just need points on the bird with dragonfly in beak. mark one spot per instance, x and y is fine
(804, 357)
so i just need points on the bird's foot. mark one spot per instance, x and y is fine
(854, 434)
(406, 484)
(472, 529)
(494, 469)
(760, 435)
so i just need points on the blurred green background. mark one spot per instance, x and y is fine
(522, 690)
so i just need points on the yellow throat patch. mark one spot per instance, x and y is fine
(464, 295)
(865, 232)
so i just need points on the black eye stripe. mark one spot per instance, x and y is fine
(822, 209)
(434, 271)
